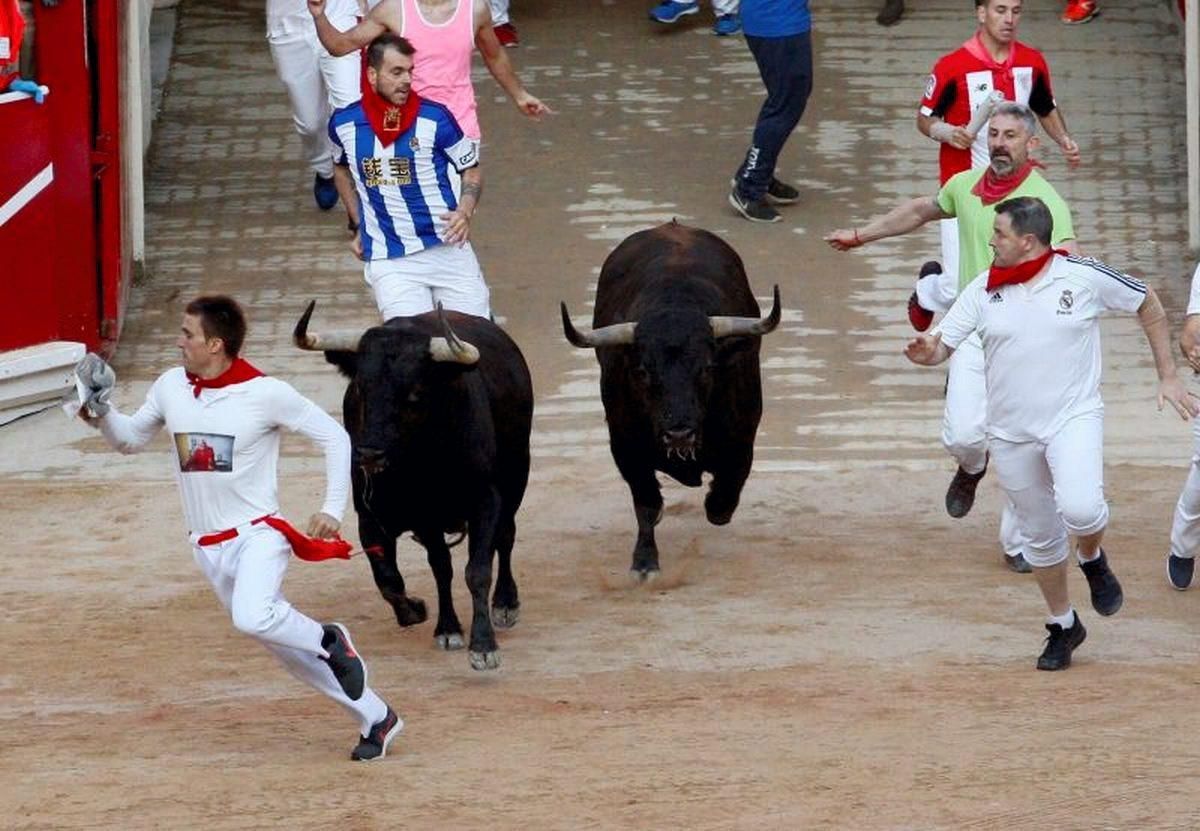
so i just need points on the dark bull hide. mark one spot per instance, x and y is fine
(677, 333)
(438, 409)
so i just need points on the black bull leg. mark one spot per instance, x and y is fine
(725, 490)
(483, 654)
(448, 633)
(648, 508)
(505, 603)
(381, 554)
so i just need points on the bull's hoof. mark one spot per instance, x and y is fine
(505, 617)
(410, 611)
(644, 575)
(484, 660)
(449, 641)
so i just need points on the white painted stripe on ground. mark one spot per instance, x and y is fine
(25, 195)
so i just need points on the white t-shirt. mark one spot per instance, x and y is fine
(285, 17)
(1041, 344)
(1194, 301)
(227, 445)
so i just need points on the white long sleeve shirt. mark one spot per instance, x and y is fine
(227, 445)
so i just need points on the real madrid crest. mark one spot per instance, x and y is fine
(1066, 300)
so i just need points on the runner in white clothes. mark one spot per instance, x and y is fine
(1185, 531)
(225, 418)
(1037, 312)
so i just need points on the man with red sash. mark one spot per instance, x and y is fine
(971, 197)
(232, 511)
(963, 85)
(1037, 311)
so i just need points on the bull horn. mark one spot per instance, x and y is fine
(723, 327)
(450, 349)
(332, 342)
(617, 334)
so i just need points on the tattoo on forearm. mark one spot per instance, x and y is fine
(472, 189)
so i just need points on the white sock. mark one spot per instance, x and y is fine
(1065, 621)
(1090, 559)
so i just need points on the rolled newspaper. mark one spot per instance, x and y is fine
(983, 112)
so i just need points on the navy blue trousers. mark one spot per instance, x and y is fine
(785, 64)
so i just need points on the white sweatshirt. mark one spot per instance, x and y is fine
(227, 445)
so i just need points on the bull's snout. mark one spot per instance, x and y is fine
(680, 441)
(370, 459)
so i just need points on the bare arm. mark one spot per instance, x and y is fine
(940, 131)
(458, 221)
(902, 219)
(1170, 388)
(1056, 128)
(495, 57)
(339, 43)
(1189, 341)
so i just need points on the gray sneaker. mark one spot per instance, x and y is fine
(375, 744)
(348, 668)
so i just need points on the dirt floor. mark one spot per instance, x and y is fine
(842, 656)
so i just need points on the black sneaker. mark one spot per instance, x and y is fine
(782, 193)
(375, 744)
(348, 668)
(1180, 570)
(1107, 596)
(756, 210)
(1018, 563)
(324, 192)
(1060, 644)
(891, 13)
(960, 496)
(930, 267)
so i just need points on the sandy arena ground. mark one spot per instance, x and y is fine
(842, 656)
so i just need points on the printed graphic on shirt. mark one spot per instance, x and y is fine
(204, 452)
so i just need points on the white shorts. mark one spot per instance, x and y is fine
(415, 284)
(1056, 487)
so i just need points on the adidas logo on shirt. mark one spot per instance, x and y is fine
(996, 298)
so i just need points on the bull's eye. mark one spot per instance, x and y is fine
(640, 373)
(413, 397)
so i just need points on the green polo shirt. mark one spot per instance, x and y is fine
(975, 219)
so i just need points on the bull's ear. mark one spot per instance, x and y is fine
(346, 362)
(731, 348)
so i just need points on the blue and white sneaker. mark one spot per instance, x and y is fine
(727, 24)
(670, 10)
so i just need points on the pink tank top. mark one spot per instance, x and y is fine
(442, 65)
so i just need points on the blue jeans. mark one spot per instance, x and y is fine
(785, 64)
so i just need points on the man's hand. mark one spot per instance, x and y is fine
(843, 239)
(1189, 341)
(1071, 150)
(1176, 392)
(356, 246)
(322, 526)
(924, 350)
(531, 106)
(458, 227)
(961, 139)
(316, 8)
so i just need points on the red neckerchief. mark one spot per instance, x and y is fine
(387, 120)
(1005, 68)
(999, 275)
(12, 27)
(991, 188)
(238, 371)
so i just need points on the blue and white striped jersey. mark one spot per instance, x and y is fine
(402, 188)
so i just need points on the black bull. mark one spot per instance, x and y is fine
(438, 409)
(677, 334)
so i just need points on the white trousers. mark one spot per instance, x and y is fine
(1056, 487)
(938, 292)
(246, 573)
(1185, 530)
(964, 427)
(415, 284)
(317, 83)
(499, 10)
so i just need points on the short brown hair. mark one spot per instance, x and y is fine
(220, 317)
(388, 40)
